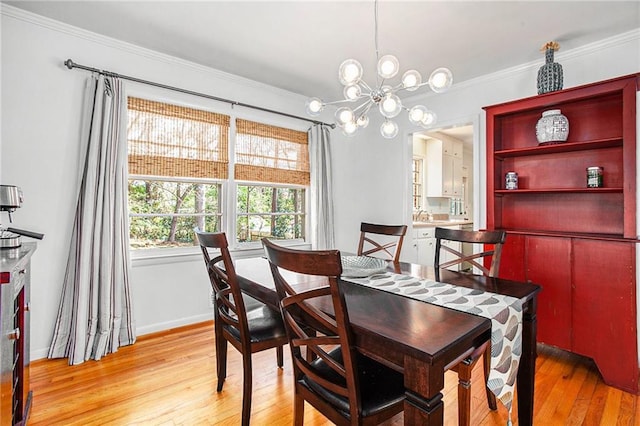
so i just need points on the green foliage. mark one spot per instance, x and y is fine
(260, 212)
(163, 214)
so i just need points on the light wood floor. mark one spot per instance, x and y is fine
(169, 378)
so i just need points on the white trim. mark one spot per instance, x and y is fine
(584, 50)
(180, 322)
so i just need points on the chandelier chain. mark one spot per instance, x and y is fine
(375, 26)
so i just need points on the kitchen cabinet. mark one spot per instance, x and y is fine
(15, 396)
(578, 243)
(444, 168)
(423, 244)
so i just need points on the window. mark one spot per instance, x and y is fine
(163, 213)
(417, 184)
(278, 158)
(274, 212)
(179, 177)
(178, 159)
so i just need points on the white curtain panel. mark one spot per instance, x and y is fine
(321, 188)
(95, 315)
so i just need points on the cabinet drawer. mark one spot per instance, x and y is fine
(420, 233)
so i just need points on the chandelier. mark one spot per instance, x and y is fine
(383, 96)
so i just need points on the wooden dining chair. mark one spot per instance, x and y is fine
(491, 242)
(249, 325)
(388, 240)
(345, 386)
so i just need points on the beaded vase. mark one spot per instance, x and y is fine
(550, 74)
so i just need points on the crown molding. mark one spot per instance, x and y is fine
(61, 27)
(587, 49)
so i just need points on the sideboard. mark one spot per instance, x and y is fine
(15, 395)
(578, 242)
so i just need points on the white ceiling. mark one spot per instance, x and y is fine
(298, 45)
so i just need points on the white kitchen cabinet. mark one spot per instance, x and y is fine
(423, 246)
(444, 168)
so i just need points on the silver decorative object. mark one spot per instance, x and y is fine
(362, 266)
(553, 127)
(550, 74)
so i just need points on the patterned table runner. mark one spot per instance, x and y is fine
(505, 313)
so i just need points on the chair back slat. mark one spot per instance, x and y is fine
(495, 239)
(388, 240)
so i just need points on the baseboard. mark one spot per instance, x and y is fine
(141, 331)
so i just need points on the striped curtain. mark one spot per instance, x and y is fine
(322, 223)
(95, 315)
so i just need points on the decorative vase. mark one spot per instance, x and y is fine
(550, 74)
(553, 127)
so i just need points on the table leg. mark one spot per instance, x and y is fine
(424, 383)
(527, 368)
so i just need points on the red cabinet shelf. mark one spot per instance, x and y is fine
(557, 190)
(559, 147)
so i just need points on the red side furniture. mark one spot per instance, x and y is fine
(578, 243)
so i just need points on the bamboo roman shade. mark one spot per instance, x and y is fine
(266, 153)
(176, 141)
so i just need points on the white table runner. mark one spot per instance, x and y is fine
(505, 313)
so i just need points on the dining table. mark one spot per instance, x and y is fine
(419, 339)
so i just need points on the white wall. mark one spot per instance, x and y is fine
(40, 152)
(41, 103)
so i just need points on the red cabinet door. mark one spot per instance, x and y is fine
(604, 309)
(549, 265)
(512, 258)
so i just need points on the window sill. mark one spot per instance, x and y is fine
(151, 257)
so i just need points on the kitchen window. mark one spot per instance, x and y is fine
(180, 177)
(417, 183)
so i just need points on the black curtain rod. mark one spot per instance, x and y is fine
(71, 65)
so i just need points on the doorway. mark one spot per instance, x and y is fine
(442, 185)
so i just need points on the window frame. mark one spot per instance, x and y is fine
(228, 189)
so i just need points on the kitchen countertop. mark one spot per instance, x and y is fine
(434, 223)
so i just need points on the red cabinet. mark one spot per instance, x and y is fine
(604, 310)
(578, 243)
(547, 260)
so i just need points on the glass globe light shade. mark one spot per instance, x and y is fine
(388, 66)
(350, 72)
(416, 114)
(363, 121)
(352, 92)
(350, 128)
(389, 129)
(314, 106)
(440, 80)
(390, 106)
(386, 89)
(411, 80)
(428, 119)
(343, 116)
